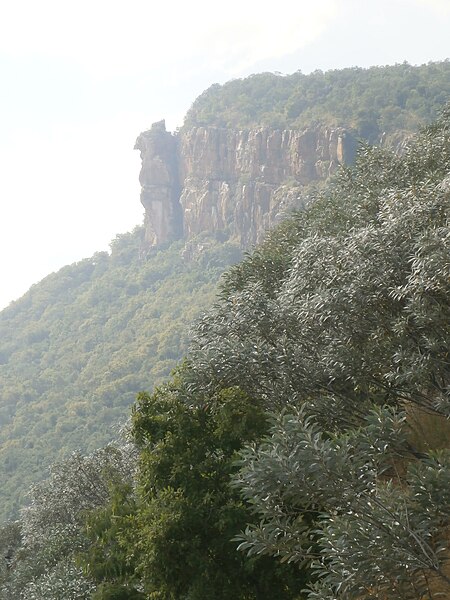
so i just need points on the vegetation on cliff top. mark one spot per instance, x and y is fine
(373, 101)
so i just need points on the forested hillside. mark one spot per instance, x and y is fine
(302, 449)
(373, 101)
(77, 348)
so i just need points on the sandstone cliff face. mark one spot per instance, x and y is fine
(233, 181)
(160, 187)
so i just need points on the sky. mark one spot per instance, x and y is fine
(80, 80)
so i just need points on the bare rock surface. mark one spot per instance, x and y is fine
(208, 179)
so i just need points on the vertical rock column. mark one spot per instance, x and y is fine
(160, 186)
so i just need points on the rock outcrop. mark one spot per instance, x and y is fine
(239, 182)
(160, 186)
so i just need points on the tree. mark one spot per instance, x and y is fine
(42, 546)
(187, 512)
(107, 558)
(370, 519)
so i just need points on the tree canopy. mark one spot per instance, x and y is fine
(376, 101)
(339, 324)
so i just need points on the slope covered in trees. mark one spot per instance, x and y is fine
(76, 348)
(373, 101)
(309, 423)
(79, 346)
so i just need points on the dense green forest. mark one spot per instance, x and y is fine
(79, 346)
(373, 101)
(301, 450)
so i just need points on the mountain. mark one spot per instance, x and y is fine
(78, 346)
(302, 448)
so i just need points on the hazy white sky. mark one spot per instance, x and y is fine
(80, 80)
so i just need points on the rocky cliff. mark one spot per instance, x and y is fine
(208, 179)
(160, 185)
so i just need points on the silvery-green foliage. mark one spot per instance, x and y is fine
(51, 527)
(65, 581)
(78, 484)
(336, 502)
(346, 311)
(349, 301)
(10, 542)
